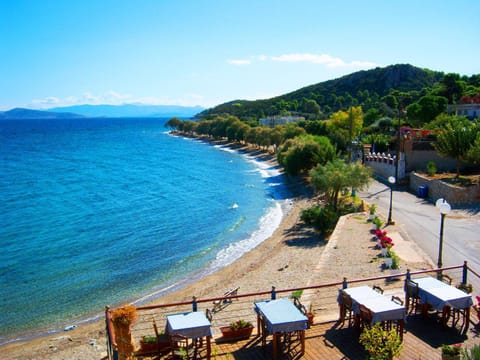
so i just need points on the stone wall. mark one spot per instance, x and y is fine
(456, 196)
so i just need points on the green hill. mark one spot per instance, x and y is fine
(365, 88)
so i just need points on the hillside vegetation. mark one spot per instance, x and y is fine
(380, 92)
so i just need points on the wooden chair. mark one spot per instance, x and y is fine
(347, 307)
(182, 348)
(397, 300)
(412, 296)
(378, 289)
(365, 317)
(446, 279)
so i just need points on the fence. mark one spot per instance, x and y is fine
(322, 300)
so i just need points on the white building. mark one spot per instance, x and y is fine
(469, 110)
(279, 120)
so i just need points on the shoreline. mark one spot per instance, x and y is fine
(93, 326)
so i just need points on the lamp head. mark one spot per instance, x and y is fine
(391, 179)
(445, 208)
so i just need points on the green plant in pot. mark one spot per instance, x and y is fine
(148, 343)
(239, 329)
(377, 222)
(381, 344)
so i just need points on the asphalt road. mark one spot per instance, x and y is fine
(419, 220)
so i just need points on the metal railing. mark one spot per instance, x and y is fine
(322, 299)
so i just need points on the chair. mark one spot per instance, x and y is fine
(365, 317)
(397, 300)
(347, 307)
(182, 348)
(412, 296)
(209, 314)
(446, 279)
(378, 289)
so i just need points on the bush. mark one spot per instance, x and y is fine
(323, 219)
(431, 168)
(381, 344)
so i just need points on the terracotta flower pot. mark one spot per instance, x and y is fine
(230, 334)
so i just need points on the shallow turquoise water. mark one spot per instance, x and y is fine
(103, 211)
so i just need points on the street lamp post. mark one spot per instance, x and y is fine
(444, 208)
(391, 180)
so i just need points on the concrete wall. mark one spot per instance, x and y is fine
(456, 196)
(384, 164)
(417, 161)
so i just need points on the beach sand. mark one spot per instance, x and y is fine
(294, 256)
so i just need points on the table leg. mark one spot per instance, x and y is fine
(401, 325)
(209, 347)
(467, 319)
(275, 339)
(357, 322)
(342, 314)
(302, 341)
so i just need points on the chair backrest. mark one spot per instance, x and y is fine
(365, 313)
(411, 288)
(378, 289)
(346, 300)
(397, 300)
(446, 279)
(209, 314)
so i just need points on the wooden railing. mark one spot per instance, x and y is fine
(322, 296)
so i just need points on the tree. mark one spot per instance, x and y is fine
(426, 109)
(305, 152)
(173, 123)
(337, 176)
(456, 140)
(473, 154)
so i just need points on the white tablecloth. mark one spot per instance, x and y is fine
(281, 316)
(192, 325)
(439, 294)
(382, 308)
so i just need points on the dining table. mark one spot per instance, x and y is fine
(443, 298)
(193, 325)
(381, 307)
(277, 317)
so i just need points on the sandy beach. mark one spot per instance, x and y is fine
(274, 262)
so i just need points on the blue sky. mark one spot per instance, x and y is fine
(206, 52)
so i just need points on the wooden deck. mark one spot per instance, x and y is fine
(422, 340)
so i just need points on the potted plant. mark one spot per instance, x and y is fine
(373, 209)
(377, 222)
(239, 329)
(381, 344)
(451, 352)
(122, 319)
(468, 288)
(148, 343)
(310, 315)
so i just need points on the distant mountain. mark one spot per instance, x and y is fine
(19, 113)
(132, 110)
(365, 88)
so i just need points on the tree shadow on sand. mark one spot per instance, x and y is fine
(302, 235)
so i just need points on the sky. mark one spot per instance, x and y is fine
(57, 53)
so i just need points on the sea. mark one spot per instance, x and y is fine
(105, 211)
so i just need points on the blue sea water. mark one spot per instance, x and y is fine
(99, 212)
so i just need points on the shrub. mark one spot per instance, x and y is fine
(381, 344)
(431, 168)
(323, 219)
